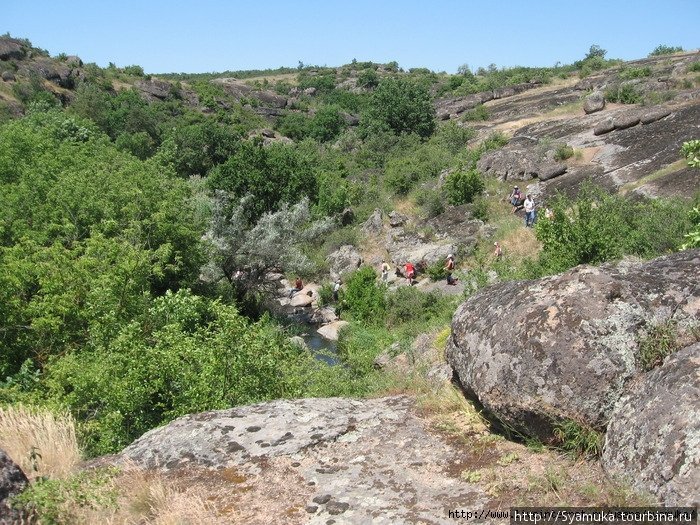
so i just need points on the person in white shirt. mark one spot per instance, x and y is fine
(529, 206)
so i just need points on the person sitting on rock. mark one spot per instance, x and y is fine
(298, 286)
(548, 213)
(449, 268)
(409, 272)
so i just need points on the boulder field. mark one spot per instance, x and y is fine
(568, 348)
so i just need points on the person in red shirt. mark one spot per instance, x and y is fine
(410, 272)
(298, 286)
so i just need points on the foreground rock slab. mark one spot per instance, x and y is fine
(312, 460)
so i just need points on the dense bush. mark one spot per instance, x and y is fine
(362, 298)
(463, 186)
(424, 163)
(624, 94)
(598, 227)
(665, 50)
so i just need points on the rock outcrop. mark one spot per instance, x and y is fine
(518, 162)
(12, 482)
(654, 433)
(314, 460)
(344, 260)
(239, 90)
(564, 347)
(594, 102)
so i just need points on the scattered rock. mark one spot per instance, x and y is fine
(654, 114)
(154, 89)
(654, 431)
(8, 76)
(301, 299)
(331, 330)
(322, 499)
(11, 49)
(626, 120)
(375, 224)
(561, 347)
(299, 341)
(344, 260)
(397, 219)
(594, 102)
(12, 482)
(336, 507)
(268, 133)
(604, 126)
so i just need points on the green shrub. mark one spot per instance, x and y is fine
(623, 94)
(495, 140)
(437, 271)
(691, 152)
(333, 194)
(634, 72)
(694, 67)
(368, 79)
(563, 152)
(665, 50)
(430, 202)
(411, 307)
(463, 186)
(479, 113)
(362, 298)
(480, 209)
(325, 294)
(453, 137)
(598, 227)
(52, 500)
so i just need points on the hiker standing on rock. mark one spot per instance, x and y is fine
(385, 272)
(449, 268)
(529, 206)
(410, 272)
(336, 289)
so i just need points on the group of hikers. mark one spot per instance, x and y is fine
(409, 270)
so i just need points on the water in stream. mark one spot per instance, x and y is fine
(322, 349)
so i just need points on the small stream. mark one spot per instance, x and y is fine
(322, 349)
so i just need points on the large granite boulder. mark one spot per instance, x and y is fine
(564, 347)
(344, 260)
(654, 432)
(374, 225)
(316, 461)
(12, 482)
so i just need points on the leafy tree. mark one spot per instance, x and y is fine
(595, 51)
(243, 251)
(270, 175)
(327, 123)
(197, 148)
(401, 106)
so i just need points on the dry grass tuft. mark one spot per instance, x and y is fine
(40, 442)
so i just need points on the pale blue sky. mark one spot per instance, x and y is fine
(216, 35)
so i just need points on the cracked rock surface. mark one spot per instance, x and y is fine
(315, 460)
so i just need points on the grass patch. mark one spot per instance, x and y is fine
(657, 175)
(578, 439)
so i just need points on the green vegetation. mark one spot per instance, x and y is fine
(634, 72)
(563, 152)
(623, 94)
(463, 186)
(598, 227)
(665, 50)
(578, 439)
